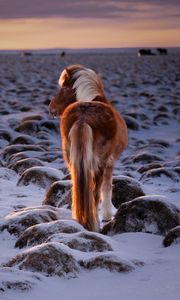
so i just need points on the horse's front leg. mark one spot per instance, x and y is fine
(106, 194)
(66, 153)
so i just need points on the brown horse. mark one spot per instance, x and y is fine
(93, 136)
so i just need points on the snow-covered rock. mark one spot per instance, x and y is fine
(151, 214)
(42, 176)
(59, 194)
(16, 222)
(110, 262)
(14, 279)
(38, 234)
(23, 164)
(49, 258)
(83, 241)
(125, 189)
(172, 236)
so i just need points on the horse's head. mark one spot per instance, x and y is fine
(77, 84)
(64, 97)
(67, 94)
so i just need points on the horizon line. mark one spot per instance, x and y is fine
(87, 48)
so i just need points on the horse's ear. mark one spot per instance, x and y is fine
(68, 73)
(64, 77)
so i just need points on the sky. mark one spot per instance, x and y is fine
(34, 24)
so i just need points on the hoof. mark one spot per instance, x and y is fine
(106, 220)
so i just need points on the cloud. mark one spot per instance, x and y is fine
(32, 24)
(122, 9)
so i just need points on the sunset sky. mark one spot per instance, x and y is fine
(31, 24)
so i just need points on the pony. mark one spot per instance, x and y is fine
(93, 135)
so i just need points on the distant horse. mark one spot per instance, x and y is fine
(162, 51)
(93, 136)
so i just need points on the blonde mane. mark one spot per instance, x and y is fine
(87, 85)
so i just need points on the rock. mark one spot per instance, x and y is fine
(172, 163)
(16, 222)
(15, 285)
(161, 118)
(6, 135)
(45, 144)
(22, 165)
(13, 279)
(25, 108)
(148, 167)
(172, 236)
(32, 117)
(29, 127)
(50, 259)
(147, 157)
(137, 115)
(161, 142)
(176, 111)
(43, 135)
(151, 214)
(50, 125)
(125, 189)
(172, 173)
(44, 156)
(83, 241)
(59, 194)
(12, 149)
(152, 149)
(16, 157)
(162, 108)
(5, 111)
(42, 176)
(110, 262)
(38, 234)
(177, 170)
(13, 123)
(23, 139)
(131, 122)
(50, 156)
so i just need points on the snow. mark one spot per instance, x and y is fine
(158, 277)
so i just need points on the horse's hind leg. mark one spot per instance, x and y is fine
(106, 192)
(98, 178)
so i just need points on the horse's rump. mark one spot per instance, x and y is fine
(99, 116)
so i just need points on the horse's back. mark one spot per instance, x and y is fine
(97, 114)
(108, 127)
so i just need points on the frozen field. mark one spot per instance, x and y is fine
(130, 263)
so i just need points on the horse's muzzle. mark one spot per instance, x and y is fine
(53, 112)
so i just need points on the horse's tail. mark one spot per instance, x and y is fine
(82, 172)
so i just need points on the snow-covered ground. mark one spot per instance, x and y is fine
(146, 90)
